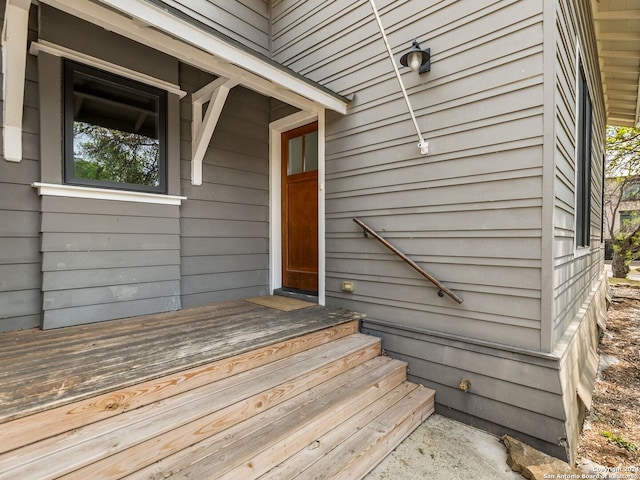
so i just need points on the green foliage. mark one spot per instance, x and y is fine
(619, 441)
(112, 155)
(623, 151)
(623, 173)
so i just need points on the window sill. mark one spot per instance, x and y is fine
(73, 191)
(581, 251)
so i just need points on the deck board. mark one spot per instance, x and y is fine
(41, 369)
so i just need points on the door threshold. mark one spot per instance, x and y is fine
(305, 295)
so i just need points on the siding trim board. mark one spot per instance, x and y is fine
(71, 191)
(534, 357)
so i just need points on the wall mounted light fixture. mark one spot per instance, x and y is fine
(416, 59)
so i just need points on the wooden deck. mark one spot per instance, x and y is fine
(44, 369)
(226, 391)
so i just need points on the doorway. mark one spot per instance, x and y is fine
(299, 187)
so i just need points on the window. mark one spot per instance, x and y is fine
(583, 163)
(631, 190)
(626, 216)
(303, 153)
(114, 131)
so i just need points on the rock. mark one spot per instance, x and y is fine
(535, 465)
(606, 361)
(591, 468)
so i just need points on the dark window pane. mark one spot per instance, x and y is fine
(625, 217)
(583, 163)
(114, 130)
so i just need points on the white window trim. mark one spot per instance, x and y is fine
(275, 200)
(55, 190)
(59, 51)
(581, 251)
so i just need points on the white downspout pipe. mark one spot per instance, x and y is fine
(423, 145)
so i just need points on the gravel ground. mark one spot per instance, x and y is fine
(611, 434)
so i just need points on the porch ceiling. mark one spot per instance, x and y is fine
(155, 25)
(617, 27)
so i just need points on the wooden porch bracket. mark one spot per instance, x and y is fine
(14, 57)
(215, 93)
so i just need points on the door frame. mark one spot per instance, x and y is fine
(275, 200)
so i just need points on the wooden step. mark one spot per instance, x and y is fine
(122, 444)
(255, 446)
(368, 445)
(326, 445)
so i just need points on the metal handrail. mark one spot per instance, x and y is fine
(442, 289)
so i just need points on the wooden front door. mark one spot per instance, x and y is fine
(300, 208)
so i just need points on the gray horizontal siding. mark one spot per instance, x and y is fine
(510, 392)
(246, 21)
(574, 276)
(79, 315)
(20, 278)
(108, 260)
(85, 241)
(475, 200)
(224, 222)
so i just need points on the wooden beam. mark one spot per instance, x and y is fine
(14, 57)
(629, 14)
(622, 107)
(621, 69)
(617, 82)
(618, 37)
(620, 54)
(621, 120)
(215, 94)
(614, 95)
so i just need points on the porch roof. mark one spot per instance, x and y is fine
(617, 29)
(156, 24)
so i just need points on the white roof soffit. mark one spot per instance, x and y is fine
(194, 45)
(617, 27)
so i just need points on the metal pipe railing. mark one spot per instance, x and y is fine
(442, 289)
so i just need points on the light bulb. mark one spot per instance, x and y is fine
(415, 61)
